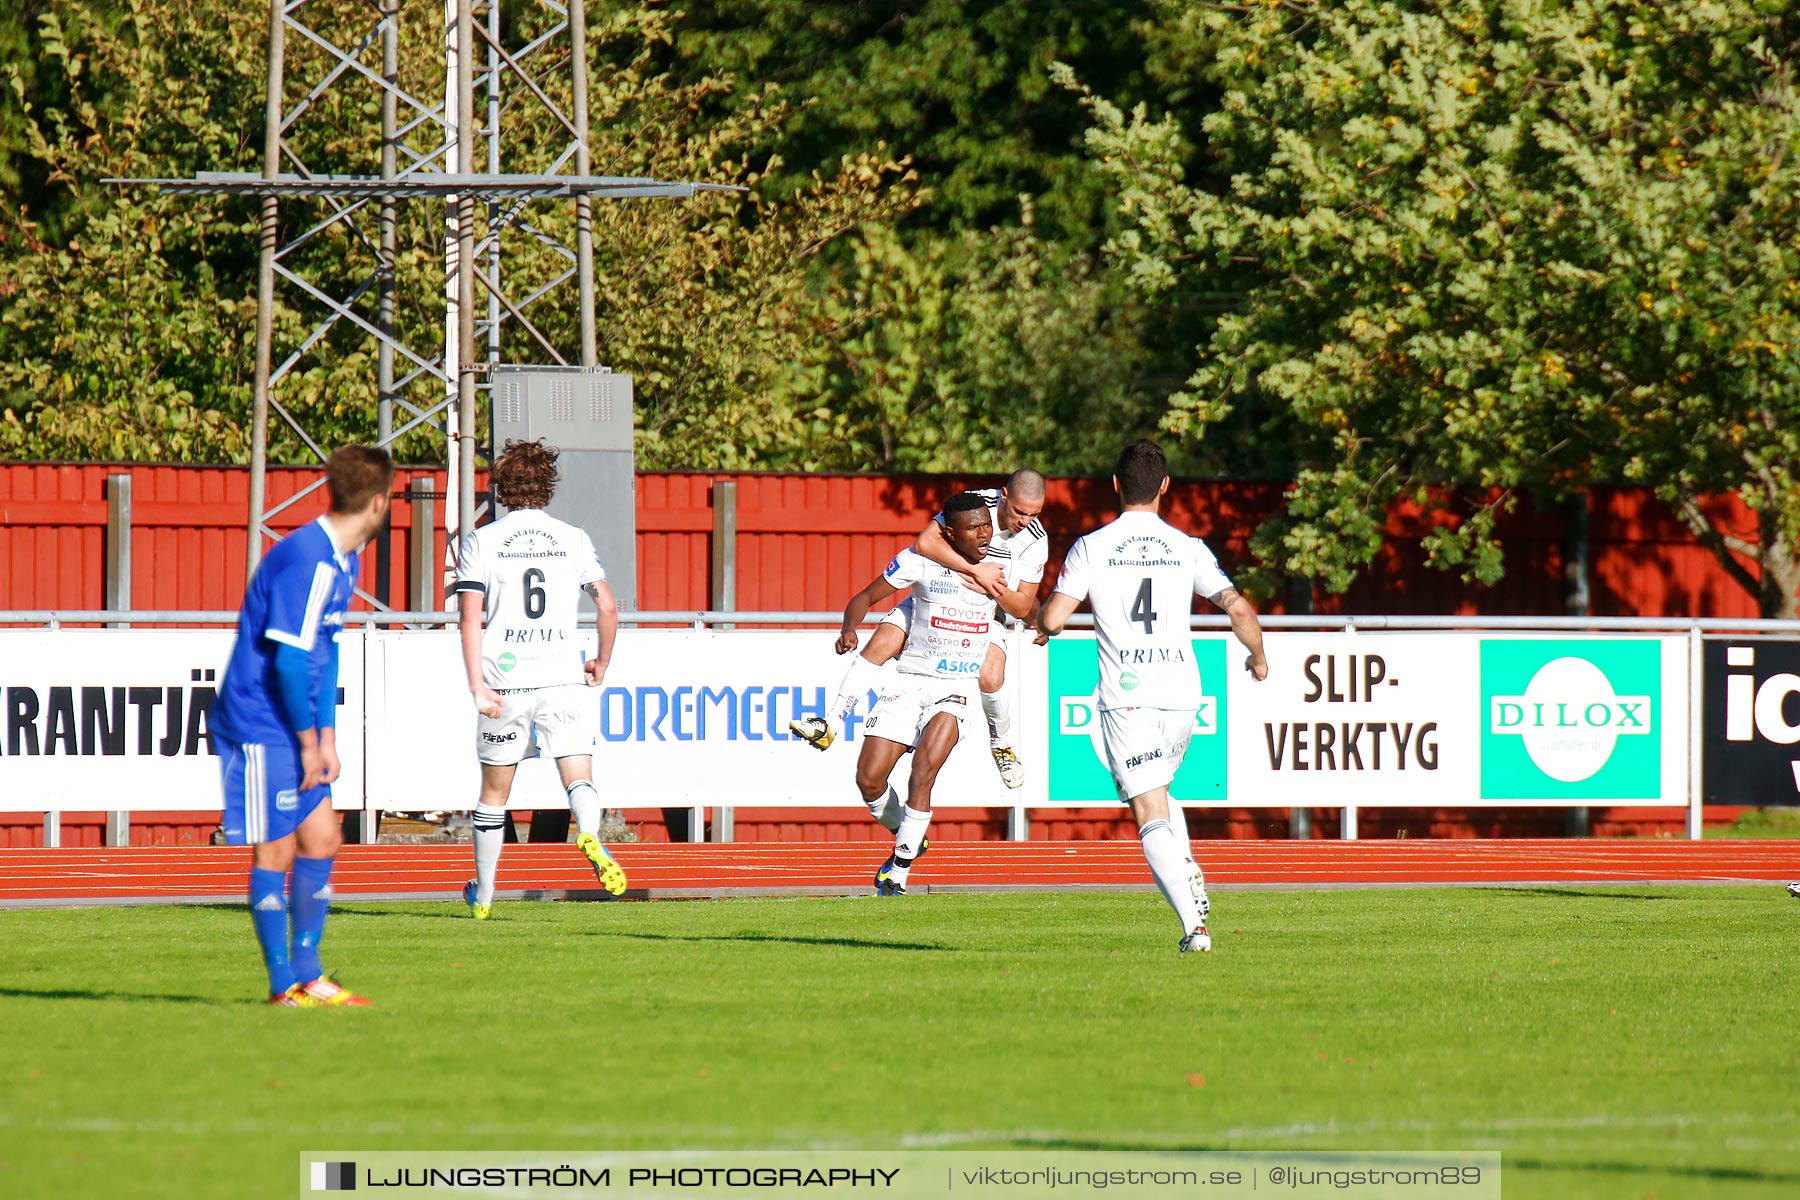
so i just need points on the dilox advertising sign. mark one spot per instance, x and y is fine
(1373, 720)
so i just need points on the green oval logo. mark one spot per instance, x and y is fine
(506, 662)
(1127, 680)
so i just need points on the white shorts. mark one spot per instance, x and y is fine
(900, 617)
(566, 718)
(907, 703)
(1144, 746)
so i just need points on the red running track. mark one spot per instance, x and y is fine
(152, 874)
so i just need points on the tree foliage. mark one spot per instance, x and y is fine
(1490, 245)
(130, 315)
(962, 86)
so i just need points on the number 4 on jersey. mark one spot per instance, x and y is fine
(1141, 612)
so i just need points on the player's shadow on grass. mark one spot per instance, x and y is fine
(1576, 894)
(102, 994)
(1512, 1162)
(366, 909)
(853, 943)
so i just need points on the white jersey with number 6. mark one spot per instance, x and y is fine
(1141, 575)
(530, 568)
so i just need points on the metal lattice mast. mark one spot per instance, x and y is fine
(427, 149)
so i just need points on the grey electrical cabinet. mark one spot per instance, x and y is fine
(586, 415)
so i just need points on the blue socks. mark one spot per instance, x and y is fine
(309, 898)
(269, 915)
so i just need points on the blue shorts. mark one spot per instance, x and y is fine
(263, 800)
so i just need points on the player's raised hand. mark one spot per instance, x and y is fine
(846, 641)
(487, 700)
(1257, 665)
(595, 670)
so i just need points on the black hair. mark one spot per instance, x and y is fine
(1140, 471)
(964, 502)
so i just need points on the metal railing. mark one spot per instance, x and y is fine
(710, 618)
(1694, 628)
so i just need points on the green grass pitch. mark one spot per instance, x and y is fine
(1610, 1042)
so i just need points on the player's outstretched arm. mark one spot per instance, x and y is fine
(858, 608)
(1247, 628)
(468, 608)
(1055, 613)
(933, 545)
(606, 625)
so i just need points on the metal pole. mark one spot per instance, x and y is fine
(1696, 810)
(1577, 602)
(493, 204)
(386, 297)
(456, 161)
(424, 573)
(724, 548)
(52, 830)
(387, 287)
(265, 292)
(584, 205)
(118, 546)
(465, 273)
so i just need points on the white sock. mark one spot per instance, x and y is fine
(907, 839)
(1173, 871)
(1179, 827)
(859, 678)
(998, 707)
(490, 835)
(887, 810)
(584, 803)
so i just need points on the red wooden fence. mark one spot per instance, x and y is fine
(808, 541)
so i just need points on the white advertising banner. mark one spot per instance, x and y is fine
(116, 719)
(689, 718)
(1403, 720)
(1357, 721)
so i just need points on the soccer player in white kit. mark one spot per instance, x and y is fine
(1140, 574)
(518, 582)
(923, 704)
(1009, 572)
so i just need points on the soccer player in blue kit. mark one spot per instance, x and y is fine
(274, 726)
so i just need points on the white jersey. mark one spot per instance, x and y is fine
(1141, 574)
(1024, 553)
(530, 568)
(951, 621)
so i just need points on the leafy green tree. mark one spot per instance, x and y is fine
(130, 317)
(961, 86)
(981, 352)
(125, 330)
(1486, 246)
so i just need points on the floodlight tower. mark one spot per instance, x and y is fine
(324, 60)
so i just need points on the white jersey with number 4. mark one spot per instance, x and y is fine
(951, 621)
(531, 569)
(1141, 574)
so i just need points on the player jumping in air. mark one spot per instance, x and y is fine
(923, 704)
(274, 725)
(1140, 574)
(1010, 573)
(517, 585)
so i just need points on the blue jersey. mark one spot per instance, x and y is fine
(297, 598)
